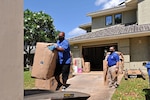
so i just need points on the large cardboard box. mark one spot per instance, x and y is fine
(44, 61)
(49, 84)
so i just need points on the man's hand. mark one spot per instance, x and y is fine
(52, 47)
(117, 69)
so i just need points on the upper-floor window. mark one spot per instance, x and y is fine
(108, 20)
(118, 18)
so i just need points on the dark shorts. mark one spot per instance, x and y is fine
(62, 69)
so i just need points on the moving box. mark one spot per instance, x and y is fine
(44, 61)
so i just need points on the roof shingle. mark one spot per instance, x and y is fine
(112, 31)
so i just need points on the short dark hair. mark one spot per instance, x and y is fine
(113, 47)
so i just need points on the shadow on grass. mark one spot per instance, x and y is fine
(135, 76)
(147, 94)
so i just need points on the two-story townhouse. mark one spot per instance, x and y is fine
(126, 26)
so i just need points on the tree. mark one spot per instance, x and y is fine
(38, 27)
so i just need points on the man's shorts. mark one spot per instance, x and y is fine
(63, 69)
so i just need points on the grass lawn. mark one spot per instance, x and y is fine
(28, 81)
(132, 89)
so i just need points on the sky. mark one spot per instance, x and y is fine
(68, 15)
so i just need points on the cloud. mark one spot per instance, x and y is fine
(108, 3)
(100, 2)
(75, 32)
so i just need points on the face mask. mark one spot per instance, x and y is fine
(61, 38)
(111, 51)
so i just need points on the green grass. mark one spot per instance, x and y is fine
(29, 82)
(132, 89)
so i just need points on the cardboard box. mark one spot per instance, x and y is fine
(87, 67)
(77, 62)
(44, 61)
(49, 84)
(105, 70)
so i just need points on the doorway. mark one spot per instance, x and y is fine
(95, 55)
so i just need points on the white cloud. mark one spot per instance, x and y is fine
(100, 2)
(75, 32)
(112, 3)
(108, 3)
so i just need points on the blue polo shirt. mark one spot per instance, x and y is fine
(113, 59)
(64, 57)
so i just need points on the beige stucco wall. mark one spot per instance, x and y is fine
(97, 23)
(11, 50)
(75, 50)
(139, 50)
(129, 16)
(124, 47)
(143, 12)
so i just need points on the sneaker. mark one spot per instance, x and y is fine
(58, 86)
(64, 88)
(110, 86)
(116, 85)
(113, 87)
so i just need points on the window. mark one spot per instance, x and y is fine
(108, 20)
(118, 18)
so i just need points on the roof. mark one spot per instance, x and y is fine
(124, 6)
(116, 9)
(118, 31)
(84, 26)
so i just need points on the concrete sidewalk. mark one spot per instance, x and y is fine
(91, 83)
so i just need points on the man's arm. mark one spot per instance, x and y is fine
(60, 49)
(117, 60)
(117, 64)
(63, 47)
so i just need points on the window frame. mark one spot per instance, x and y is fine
(115, 18)
(111, 20)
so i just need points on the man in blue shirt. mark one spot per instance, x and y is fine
(113, 67)
(63, 61)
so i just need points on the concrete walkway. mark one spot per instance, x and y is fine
(91, 83)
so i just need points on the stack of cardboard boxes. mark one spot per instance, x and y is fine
(44, 67)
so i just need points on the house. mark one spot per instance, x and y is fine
(126, 26)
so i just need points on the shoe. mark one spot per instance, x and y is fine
(58, 86)
(110, 86)
(116, 85)
(113, 87)
(64, 88)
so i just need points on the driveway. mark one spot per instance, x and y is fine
(91, 83)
